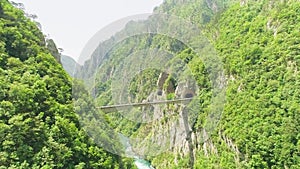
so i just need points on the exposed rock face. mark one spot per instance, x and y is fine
(234, 148)
(166, 84)
(170, 129)
(185, 90)
(161, 80)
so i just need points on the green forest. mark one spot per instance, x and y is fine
(49, 116)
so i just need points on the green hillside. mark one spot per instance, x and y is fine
(38, 126)
(69, 64)
(49, 121)
(258, 43)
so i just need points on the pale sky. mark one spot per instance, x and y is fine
(71, 23)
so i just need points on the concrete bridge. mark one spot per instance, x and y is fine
(114, 108)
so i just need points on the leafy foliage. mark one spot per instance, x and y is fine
(258, 42)
(38, 126)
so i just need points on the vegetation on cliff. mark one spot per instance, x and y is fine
(38, 126)
(258, 42)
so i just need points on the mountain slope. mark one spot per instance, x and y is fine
(69, 64)
(38, 126)
(258, 42)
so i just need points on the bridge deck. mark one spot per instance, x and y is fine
(114, 108)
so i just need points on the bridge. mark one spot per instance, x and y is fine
(115, 108)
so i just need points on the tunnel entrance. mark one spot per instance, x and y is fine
(188, 95)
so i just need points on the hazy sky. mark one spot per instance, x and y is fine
(71, 23)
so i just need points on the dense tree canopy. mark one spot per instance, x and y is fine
(258, 42)
(38, 126)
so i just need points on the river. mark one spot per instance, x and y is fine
(142, 164)
(139, 162)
